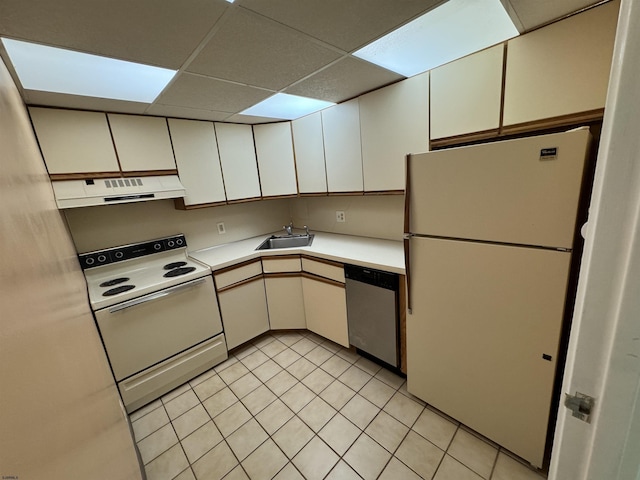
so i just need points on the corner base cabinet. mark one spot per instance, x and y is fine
(243, 302)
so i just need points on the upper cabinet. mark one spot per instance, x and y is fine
(394, 121)
(238, 160)
(74, 142)
(142, 143)
(196, 151)
(309, 151)
(466, 95)
(561, 69)
(343, 154)
(274, 149)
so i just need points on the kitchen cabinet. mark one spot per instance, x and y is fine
(325, 299)
(74, 143)
(198, 162)
(342, 148)
(274, 149)
(142, 143)
(309, 151)
(560, 70)
(466, 95)
(238, 160)
(283, 284)
(243, 302)
(394, 121)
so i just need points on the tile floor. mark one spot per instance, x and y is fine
(293, 405)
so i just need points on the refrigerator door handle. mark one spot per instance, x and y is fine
(407, 266)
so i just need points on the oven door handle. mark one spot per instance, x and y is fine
(157, 295)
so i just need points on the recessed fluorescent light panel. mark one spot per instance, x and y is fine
(51, 69)
(286, 107)
(450, 31)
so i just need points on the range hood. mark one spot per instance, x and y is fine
(109, 191)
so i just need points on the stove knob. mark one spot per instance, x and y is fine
(171, 243)
(180, 242)
(157, 247)
(90, 260)
(119, 255)
(102, 258)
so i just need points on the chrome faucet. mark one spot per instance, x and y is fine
(306, 229)
(288, 228)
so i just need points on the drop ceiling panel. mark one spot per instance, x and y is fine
(253, 50)
(142, 30)
(343, 80)
(535, 13)
(50, 99)
(346, 24)
(205, 93)
(184, 112)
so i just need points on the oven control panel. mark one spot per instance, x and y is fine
(134, 250)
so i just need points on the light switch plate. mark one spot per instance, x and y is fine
(221, 229)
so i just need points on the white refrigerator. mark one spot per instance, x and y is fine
(490, 232)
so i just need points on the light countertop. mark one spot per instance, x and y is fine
(387, 255)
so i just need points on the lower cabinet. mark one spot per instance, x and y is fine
(283, 284)
(243, 302)
(325, 301)
(285, 301)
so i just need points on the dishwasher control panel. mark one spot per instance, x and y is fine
(371, 276)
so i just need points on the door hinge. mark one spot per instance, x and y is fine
(581, 405)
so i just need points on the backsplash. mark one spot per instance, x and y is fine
(377, 216)
(94, 228)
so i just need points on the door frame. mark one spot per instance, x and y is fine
(603, 357)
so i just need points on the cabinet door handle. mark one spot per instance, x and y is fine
(157, 295)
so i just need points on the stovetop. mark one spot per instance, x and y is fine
(126, 272)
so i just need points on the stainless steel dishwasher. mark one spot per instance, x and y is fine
(372, 312)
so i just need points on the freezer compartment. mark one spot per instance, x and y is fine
(524, 191)
(483, 336)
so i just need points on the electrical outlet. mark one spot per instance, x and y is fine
(340, 217)
(221, 229)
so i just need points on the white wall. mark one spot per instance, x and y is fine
(107, 226)
(61, 416)
(367, 216)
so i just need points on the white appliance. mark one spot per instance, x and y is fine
(109, 191)
(489, 245)
(157, 313)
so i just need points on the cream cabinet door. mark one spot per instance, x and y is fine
(325, 307)
(285, 301)
(309, 150)
(244, 311)
(196, 151)
(238, 160)
(142, 143)
(560, 69)
(394, 121)
(274, 149)
(74, 141)
(342, 149)
(466, 94)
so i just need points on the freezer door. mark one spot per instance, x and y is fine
(482, 339)
(522, 191)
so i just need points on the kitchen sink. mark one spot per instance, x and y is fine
(287, 241)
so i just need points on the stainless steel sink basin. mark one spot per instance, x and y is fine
(287, 241)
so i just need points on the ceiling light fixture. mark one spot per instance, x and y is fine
(51, 69)
(453, 30)
(286, 107)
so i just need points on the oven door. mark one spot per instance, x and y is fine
(144, 331)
